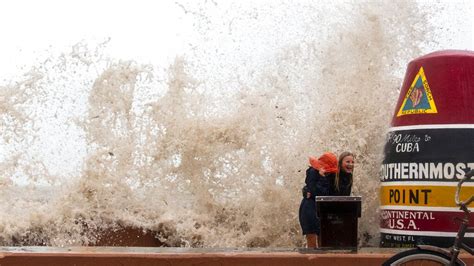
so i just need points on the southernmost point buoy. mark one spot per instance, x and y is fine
(429, 147)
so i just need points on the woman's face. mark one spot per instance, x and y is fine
(348, 164)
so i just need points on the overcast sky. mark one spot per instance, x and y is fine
(140, 29)
(143, 30)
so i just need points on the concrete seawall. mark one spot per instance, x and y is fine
(12, 256)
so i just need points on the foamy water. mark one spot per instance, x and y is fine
(210, 151)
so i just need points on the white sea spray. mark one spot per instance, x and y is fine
(212, 150)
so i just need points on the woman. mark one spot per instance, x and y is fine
(343, 179)
(320, 177)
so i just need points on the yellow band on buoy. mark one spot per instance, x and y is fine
(430, 196)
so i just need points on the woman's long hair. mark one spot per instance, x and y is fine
(339, 168)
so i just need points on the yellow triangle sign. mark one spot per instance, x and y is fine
(418, 99)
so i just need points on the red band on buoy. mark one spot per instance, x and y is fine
(438, 89)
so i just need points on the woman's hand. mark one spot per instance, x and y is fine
(322, 172)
